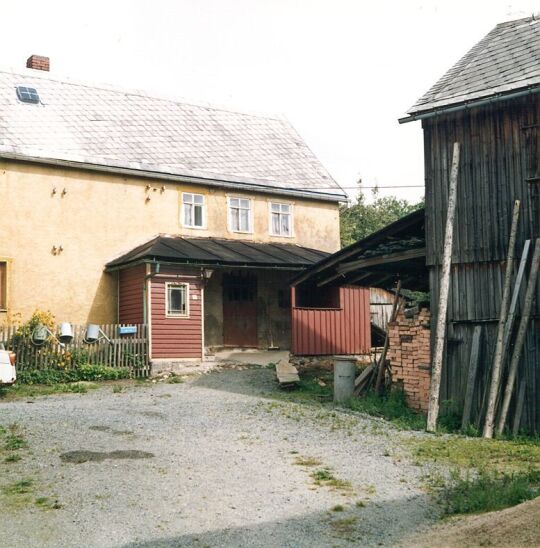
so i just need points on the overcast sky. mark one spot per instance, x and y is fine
(342, 71)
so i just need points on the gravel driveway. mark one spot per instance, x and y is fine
(211, 462)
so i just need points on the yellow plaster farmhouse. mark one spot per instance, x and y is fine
(89, 173)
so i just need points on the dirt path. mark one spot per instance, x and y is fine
(211, 462)
(514, 527)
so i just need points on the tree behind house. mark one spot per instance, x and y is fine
(361, 219)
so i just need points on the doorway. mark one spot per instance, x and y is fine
(240, 310)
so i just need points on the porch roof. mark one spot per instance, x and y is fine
(219, 252)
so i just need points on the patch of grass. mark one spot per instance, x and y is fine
(322, 475)
(14, 442)
(338, 508)
(20, 487)
(345, 525)
(488, 491)
(47, 504)
(175, 379)
(117, 389)
(307, 461)
(31, 391)
(392, 407)
(13, 458)
(325, 477)
(497, 455)
(360, 504)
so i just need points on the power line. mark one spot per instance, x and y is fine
(363, 187)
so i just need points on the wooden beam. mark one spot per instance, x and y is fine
(520, 337)
(440, 330)
(471, 378)
(498, 355)
(382, 359)
(360, 277)
(515, 295)
(325, 281)
(382, 259)
(519, 407)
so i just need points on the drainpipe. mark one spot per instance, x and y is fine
(145, 291)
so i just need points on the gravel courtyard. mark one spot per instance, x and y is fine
(214, 461)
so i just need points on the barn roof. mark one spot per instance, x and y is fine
(110, 129)
(504, 61)
(397, 251)
(219, 252)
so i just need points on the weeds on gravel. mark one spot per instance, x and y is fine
(34, 390)
(345, 525)
(338, 508)
(21, 487)
(392, 407)
(13, 458)
(307, 461)
(175, 379)
(324, 477)
(486, 491)
(493, 455)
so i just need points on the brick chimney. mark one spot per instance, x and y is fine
(38, 62)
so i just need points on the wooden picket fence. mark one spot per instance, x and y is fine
(130, 350)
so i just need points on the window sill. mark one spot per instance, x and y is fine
(177, 316)
(281, 235)
(195, 227)
(315, 308)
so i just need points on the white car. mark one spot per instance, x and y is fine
(8, 374)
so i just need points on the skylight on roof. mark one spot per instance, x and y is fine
(27, 95)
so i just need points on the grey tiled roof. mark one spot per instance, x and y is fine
(101, 126)
(505, 60)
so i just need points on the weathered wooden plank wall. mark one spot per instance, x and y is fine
(499, 163)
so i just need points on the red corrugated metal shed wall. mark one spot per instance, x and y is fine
(131, 295)
(176, 337)
(347, 330)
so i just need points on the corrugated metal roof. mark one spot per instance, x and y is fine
(102, 126)
(505, 60)
(214, 251)
(405, 234)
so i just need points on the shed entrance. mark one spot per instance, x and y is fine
(240, 310)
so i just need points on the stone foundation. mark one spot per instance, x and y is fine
(410, 355)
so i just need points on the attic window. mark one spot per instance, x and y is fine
(27, 95)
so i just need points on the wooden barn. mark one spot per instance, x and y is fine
(489, 102)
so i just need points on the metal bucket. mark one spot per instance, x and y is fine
(92, 333)
(40, 334)
(66, 332)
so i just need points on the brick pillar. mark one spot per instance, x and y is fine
(410, 356)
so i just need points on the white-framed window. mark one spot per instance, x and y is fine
(240, 215)
(193, 213)
(281, 221)
(176, 300)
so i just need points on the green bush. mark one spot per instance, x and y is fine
(488, 491)
(75, 374)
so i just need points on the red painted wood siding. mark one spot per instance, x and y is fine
(346, 330)
(176, 338)
(131, 295)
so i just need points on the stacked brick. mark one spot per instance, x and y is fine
(38, 62)
(410, 356)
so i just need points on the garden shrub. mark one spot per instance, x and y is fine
(79, 373)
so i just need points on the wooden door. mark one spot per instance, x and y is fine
(239, 310)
